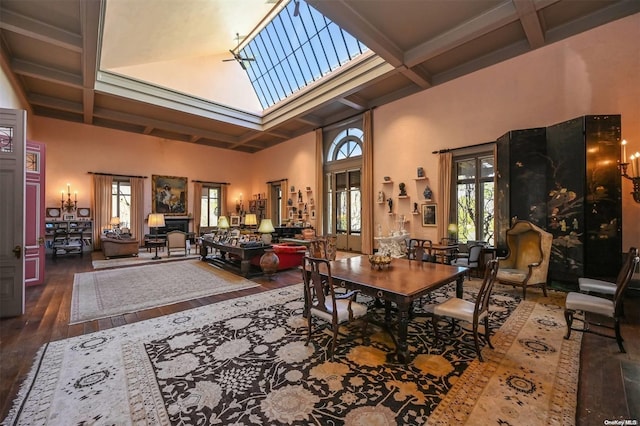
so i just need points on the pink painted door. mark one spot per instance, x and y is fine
(34, 250)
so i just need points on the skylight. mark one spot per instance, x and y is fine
(295, 50)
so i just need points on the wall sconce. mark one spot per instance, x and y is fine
(634, 162)
(68, 205)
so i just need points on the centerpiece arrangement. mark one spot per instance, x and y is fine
(379, 261)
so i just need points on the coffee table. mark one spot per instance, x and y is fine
(401, 283)
(228, 252)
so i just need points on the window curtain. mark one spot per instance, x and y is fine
(444, 192)
(367, 184)
(101, 205)
(284, 212)
(223, 201)
(137, 208)
(319, 189)
(197, 206)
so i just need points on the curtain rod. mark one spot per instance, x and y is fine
(277, 180)
(442, 151)
(212, 183)
(113, 174)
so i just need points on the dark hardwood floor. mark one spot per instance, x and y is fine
(609, 385)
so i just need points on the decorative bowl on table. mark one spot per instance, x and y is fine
(379, 261)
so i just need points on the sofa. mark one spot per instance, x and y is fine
(119, 246)
(289, 254)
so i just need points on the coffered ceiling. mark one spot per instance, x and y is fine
(51, 48)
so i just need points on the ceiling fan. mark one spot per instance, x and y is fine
(236, 56)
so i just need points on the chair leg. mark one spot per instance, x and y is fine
(619, 336)
(434, 322)
(544, 289)
(333, 341)
(487, 332)
(524, 292)
(475, 340)
(308, 329)
(568, 317)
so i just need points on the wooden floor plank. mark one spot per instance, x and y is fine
(602, 387)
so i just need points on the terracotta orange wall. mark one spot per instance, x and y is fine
(74, 149)
(593, 73)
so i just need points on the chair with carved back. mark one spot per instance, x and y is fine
(419, 249)
(323, 303)
(471, 312)
(593, 285)
(323, 247)
(604, 307)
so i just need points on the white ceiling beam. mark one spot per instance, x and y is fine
(28, 27)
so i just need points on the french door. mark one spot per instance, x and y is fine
(344, 208)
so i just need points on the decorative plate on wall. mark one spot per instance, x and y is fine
(84, 212)
(53, 212)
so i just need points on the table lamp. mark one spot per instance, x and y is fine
(115, 222)
(223, 223)
(266, 228)
(156, 220)
(250, 220)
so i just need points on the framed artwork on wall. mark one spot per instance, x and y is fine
(169, 195)
(234, 220)
(429, 215)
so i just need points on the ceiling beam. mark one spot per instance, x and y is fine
(354, 101)
(488, 21)
(29, 27)
(42, 72)
(530, 21)
(89, 24)
(54, 103)
(340, 12)
(160, 125)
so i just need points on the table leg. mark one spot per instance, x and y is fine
(245, 264)
(156, 256)
(459, 282)
(403, 324)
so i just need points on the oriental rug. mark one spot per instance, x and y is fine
(110, 292)
(244, 362)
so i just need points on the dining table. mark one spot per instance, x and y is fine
(401, 283)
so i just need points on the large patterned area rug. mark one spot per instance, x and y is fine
(110, 292)
(98, 261)
(244, 362)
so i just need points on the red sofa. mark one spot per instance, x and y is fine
(289, 254)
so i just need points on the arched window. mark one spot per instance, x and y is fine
(347, 144)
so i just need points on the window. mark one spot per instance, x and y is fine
(210, 205)
(121, 201)
(474, 203)
(296, 48)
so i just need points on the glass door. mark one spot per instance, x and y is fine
(345, 209)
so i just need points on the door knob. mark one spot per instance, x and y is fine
(17, 251)
(41, 241)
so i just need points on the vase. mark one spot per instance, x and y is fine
(269, 263)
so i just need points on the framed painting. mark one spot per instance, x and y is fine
(429, 215)
(169, 195)
(234, 220)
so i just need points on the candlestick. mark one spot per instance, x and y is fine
(633, 166)
(62, 196)
(636, 161)
(75, 196)
(624, 150)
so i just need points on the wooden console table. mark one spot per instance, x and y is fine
(234, 258)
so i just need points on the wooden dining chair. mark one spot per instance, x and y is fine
(600, 306)
(323, 303)
(592, 285)
(472, 312)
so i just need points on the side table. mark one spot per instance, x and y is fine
(155, 243)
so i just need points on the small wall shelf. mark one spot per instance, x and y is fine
(420, 178)
(387, 182)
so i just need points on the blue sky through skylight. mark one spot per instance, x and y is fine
(292, 52)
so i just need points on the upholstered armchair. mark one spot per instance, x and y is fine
(176, 240)
(527, 262)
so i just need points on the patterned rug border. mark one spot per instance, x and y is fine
(460, 401)
(98, 261)
(50, 355)
(234, 283)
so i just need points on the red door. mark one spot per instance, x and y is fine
(34, 250)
